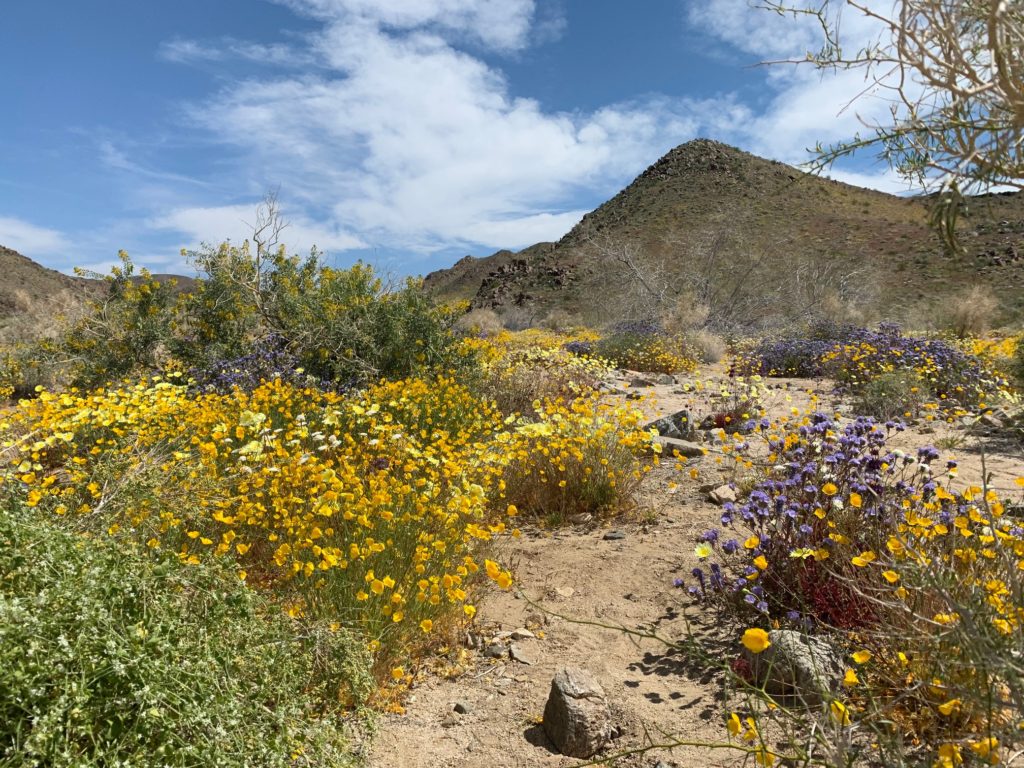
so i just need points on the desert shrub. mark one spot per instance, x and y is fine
(560, 321)
(112, 657)
(24, 366)
(847, 537)
(583, 456)
(269, 359)
(362, 509)
(685, 316)
(645, 346)
(343, 326)
(970, 313)
(520, 377)
(479, 322)
(896, 395)
(227, 308)
(798, 357)
(706, 346)
(738, 407)
(1016, 364)
(127, 331)
(348, 326)
(951, 375)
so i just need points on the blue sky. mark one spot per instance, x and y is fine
(404, 132)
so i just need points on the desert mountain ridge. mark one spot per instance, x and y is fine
(718, 225)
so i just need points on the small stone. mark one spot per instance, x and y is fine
(517, 654)
(795, 664)
(614, 536)
(672, 446)
(678, 425)
(723, 494)
(495, 651)
(991, 421)
(463, 707)
(536, 618)
(577, 718)
(522, 634)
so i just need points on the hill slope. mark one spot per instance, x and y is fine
(756, 240)
(33, 298)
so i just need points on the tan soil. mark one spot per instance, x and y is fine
(584, 581)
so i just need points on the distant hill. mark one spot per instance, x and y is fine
(757, 240)
(34, 299)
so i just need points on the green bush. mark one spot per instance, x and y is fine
(1017, 363)
(645, 346)
(896, 395)
(109, 657)
(128, 330)
(348, 326)
(343, 326)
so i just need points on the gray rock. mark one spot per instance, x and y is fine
(678, 425)
(991, 421)
(519, 655)
(723, 494)
(672, 445)
(798, 665)
(495, 651)
(522, 634)
(463, 707)
(614, 536)
(576, 717)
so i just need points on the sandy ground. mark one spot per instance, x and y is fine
(573, 584)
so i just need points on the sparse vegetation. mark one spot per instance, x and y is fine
(110, 655)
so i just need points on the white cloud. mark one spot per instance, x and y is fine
(397, 136)
(500, 24)
(423, 147)
(182, 51)
(31, 240)
(234, 222)
(885, 181)
(762, 33)
(113, 157)
(807, 106)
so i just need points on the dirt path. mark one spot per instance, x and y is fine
(585, 578)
